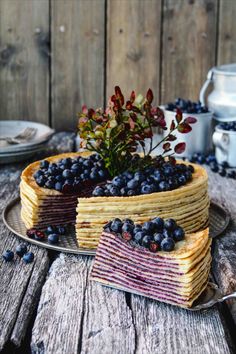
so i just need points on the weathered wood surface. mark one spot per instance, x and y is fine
(133, 46)
(24, 60)
(163, 329)
(20, 284)
(222, 191)
(189, 42)
(227, 32)
(78, 47)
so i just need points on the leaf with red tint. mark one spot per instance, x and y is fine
(184, 128)
(84, 109)
(171, 137)
(172, 160)
(179, 148)
(131, 123)
(149, 96)
(148, 133)
(113, 98)
(91, 112)
(128, 105)
(178, 115)
(119, 95)
(166, 146)
(190, 120)
(172, 125)
(133, 116)
(132, 97)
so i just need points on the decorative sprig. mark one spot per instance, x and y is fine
(117, 132)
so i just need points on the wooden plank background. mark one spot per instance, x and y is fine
(56, 55)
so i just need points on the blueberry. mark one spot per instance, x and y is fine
(153, 246)
(66, 162)
(61, 230)
(107, 227)
(44, 164)
(67, 173)
(41, 180)
(101, 174)
(128, 175)
(114, 191)
(116, 226)
(178, 234)
(138, 236)
(222, 172)
(224, 164)
(167, 233)
(139, 176)
(8, 255)
(128, 221)
(53, 238)
(118, 182)
(158, 223)
(214, 167)
(146, 189)
(146, 241)
(191, 168)
(28, 257)
(201, 159)
(51, 229)
(158, 237)
(168, 170)
(21, 249)
(137, 228)
(182, 180)
(59, 178)
(157, 176)
(132, 184)
(131, 192)
(98, 192)
(148, 227)
(58, 186)
(168, 244)
(93, 176)
(124, 191)
(231, 174)
(49, 184)
(127, 227)
(163, 186)
(38, 174)
(169, 224)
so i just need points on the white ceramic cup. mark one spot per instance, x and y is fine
(225, 146)
(199, 139)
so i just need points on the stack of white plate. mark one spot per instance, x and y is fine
(19, 152)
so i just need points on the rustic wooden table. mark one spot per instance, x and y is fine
(50, 306)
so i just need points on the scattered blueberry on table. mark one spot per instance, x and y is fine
(28, 257)
(8, 255)
(157, 234)
(186, 106)
(53, 238)
(222, 169)
(21, 249)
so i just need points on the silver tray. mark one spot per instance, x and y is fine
(219, 220)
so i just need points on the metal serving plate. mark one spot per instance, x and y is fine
(219, 220)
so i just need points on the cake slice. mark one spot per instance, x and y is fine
(176, 276)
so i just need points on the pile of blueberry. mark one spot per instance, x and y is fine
(186, 106)
(228, 126)
(150, 180)
(155, 235)
(211, 161)
(21, 251)
(67, 175)
(52, 234)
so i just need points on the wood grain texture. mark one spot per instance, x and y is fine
(227, 32)
(222, 191)
(108, 324)
(58, 325)
(163, 329)
(133, 46)
(189, 42)
(20, 284)
(24, 53)
(78, 42)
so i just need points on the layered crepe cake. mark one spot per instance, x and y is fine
(41, 206)
(177, 277)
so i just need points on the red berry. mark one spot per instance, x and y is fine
(126, 236)
(153, 247)
(39, 235)
(31, 233)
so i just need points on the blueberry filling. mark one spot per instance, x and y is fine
(155, 235)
